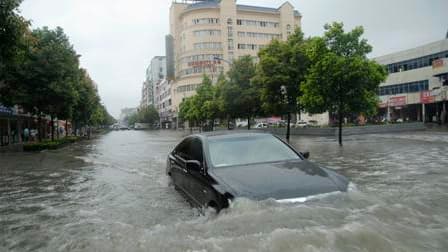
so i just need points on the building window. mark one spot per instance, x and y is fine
(230, 31)
(206, 21)
(229, 21)
(207, 33)
(410, 87)
(230, 44)
(288, 27)
(416, 63)
(258, 35)
(250, 46)
(257, 23)
(208, 45)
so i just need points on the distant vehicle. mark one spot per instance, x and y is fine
(123, 127)
(261, 126)
(240, 124)
(301, 124)
(313, 123)
(212, 169)
(142, 126)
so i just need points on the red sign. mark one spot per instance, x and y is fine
(437, 63)
(426, 97)
(397, 101)
(204, 63)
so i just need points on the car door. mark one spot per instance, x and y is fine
(177, 164)
(198, 182)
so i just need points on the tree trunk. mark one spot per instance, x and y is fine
(213, 124)
(248, 123)
(66, 128)
(288, 127)
(52, 128)
(39, 128)
(19, 129)
(57, 128)
(340, 127)
(228, 123)
(9, 131)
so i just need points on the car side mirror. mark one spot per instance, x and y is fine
(193, 165)
(306, 154)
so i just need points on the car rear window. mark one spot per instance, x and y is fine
(248, 149)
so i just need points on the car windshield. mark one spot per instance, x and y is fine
(248, 149)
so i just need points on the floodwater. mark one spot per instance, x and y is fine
(111, 194)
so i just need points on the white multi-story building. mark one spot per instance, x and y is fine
(155, 72)
(163, 94)
(417, 86)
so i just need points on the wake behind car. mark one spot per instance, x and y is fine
(212, 168)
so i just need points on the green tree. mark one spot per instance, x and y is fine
(148, 114)
(283, 66)
(132, 119)
(13, 29)
(44, 83)
(241, 98)
(86, 102)
(14, 40)
(225, 93)
(186, 111)
(341, 79)
(203, 101)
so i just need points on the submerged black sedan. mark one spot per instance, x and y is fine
(212, 168)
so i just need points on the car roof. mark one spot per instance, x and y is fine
(231, 133)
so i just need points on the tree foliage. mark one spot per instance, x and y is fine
(148, 115)
(282, 68)
(203, 106)
(341, 78)
(242, 95)
(39, 72)
(13, 27)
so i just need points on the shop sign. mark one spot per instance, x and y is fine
(204, 63)
(397, 101)
(426, 97)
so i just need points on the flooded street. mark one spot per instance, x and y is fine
(112, 194)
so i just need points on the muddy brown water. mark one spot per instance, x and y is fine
(111, 194)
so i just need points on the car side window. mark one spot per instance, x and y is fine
(182, 149)
(195, 150)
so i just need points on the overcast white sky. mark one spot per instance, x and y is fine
(118, 38)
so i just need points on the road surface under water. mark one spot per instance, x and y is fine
(111, 194)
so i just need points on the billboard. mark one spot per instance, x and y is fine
(426, 97)
(397, 101)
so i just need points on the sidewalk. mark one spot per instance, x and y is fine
(17, 147)
(436, 127)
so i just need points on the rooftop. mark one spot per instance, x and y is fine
(241, 7)
(233, 133)
(416, 52)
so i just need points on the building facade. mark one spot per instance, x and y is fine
(147, 95)
(206, 35)
(417, 86)
(155, 72)
(163, 95)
